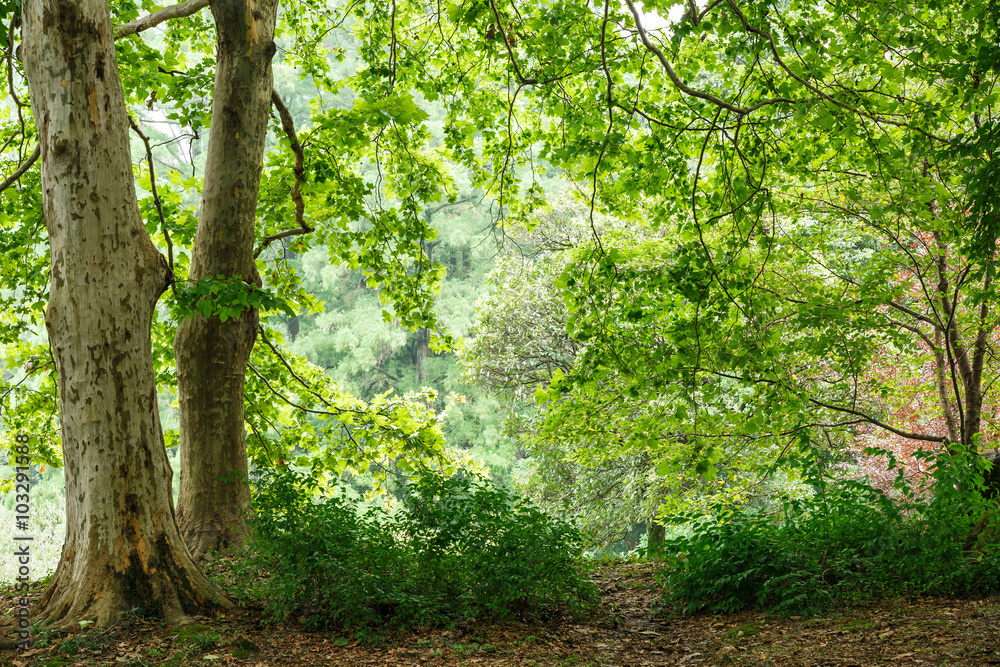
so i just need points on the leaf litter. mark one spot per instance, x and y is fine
(630, 629)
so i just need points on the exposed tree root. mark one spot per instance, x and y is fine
(62, 607)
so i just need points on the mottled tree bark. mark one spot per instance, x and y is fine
(212, 355)
(123, 548)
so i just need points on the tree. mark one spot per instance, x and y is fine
(212, 354)
(756, 139)
(520, 343)
(219, 316)
(123, 548)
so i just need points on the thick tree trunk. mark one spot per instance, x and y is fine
(212, 355)
(123, 548)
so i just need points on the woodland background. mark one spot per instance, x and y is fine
(646, 271)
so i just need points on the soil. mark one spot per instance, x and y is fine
(629, 630)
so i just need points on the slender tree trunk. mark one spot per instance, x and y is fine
(123, 548)
(293, 322)
(212, 355)
(655, 537)
(941, 377)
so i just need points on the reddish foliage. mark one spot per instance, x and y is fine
(912, 404)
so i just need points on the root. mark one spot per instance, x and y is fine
(174, 595)
(102, 615)
(10, 637)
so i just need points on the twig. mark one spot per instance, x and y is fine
(880, 424)
(156, 200)
(510, 51)
(14, 22)
(278, 354)
(747, 27)
(652, 48)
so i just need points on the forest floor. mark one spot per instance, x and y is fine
(629, 630)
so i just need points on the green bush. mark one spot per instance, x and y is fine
(456, 549)
(849, 542)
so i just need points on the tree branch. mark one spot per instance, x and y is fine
(876, 422)
(159, 16)
(338, 413)
(510, 51)
(281, 357)
(683, 87)
(288, 125)
(25, 166)
(156, 200)
(829, 98)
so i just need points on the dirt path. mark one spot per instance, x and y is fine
(629, 631)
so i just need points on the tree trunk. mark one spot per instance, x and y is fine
(123, 548)
(987, 531)
(212, 355)
(293, 322)
(654, 538)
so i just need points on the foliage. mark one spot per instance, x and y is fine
(456, 549)
(317, 424)
(367, 356)
(800, 219)
(606, 446)
(848, 542)
(226, 298)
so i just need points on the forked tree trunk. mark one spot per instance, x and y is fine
(212, 355)
(123, 548)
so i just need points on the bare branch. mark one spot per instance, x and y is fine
(159, 16)
(288, 125)
(875, 422)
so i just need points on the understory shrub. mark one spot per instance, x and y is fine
(456, 549)
(848, 542)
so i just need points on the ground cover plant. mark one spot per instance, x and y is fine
(848, 542)
(456, 549)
